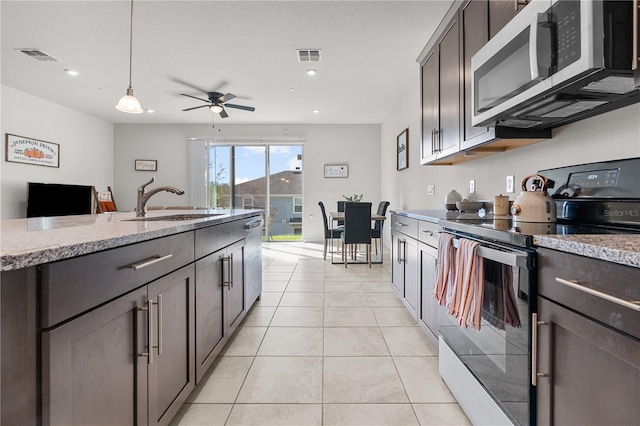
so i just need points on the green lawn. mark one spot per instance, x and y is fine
(285, 238)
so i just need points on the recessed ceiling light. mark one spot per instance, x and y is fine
(72, 72)
(150, 111)
(316, 111)
(292, 89)
(311, 71)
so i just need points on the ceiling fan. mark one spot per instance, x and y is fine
(217, 102)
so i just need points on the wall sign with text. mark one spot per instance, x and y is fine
(336, 170)
(147, 165)
(20, 149)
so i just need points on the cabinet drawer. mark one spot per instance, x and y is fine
(405, 225)
(214, 238)
(428, 233)
(70, 287)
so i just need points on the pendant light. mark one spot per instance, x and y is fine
(128, 103)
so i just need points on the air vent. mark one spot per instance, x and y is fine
(612, 84)
(38, 55)
(308, 55)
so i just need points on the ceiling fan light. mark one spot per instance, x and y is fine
(216, 109)
(129, 104)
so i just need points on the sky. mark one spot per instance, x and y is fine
(250, 161)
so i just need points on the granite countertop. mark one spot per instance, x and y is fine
(617, 248)
(34, 241)
(428, 215)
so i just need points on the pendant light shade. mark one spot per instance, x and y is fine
(128, 103)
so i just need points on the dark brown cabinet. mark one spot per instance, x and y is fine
(126, 362)
(501, 12)
(428, 314)
(404, 260)
(441, 96)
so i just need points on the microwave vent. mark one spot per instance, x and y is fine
(611, 84)
(519, 123)
(574, 108)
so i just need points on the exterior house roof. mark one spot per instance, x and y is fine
(288, 183)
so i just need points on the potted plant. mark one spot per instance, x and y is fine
(355, 198)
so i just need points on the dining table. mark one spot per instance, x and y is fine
(339, 216)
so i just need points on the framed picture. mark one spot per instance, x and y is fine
(336, 170)
(20, 149)
(147, 165)
(403, 150)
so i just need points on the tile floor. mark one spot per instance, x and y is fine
(324, 346)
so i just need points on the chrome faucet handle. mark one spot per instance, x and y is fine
(143, 187)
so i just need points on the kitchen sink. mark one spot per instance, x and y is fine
(184, 216)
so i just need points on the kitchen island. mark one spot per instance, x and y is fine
(113, 318)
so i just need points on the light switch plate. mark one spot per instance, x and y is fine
(510, 184)
(472, 186)
(431, 190)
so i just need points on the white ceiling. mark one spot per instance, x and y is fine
(248, 48)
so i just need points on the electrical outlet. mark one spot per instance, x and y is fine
(510, 184)
(431, 190)
(472, 186)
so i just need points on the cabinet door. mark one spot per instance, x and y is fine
(475, 34)
(430, 107)
(428, 304)
(397, 264)
(450, 71)
(501, 12)
(592, 372)
(92, 369)
(411, 275)
(235, 292)
(172, 372)
(210, 336)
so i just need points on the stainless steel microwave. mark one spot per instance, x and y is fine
(555, 62)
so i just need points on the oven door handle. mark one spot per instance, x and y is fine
(514, 258)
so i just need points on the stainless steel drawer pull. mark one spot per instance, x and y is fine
(226, 282)
(605, 296)
(149, 309)
(144, 264)
(534, 349)
(402, 224)
(429, 233)
(159, 324)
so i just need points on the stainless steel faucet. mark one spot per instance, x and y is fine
(143, 196)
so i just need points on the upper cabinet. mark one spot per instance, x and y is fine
(501, 12)
(447, 134)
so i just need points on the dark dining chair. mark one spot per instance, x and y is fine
(376, 232)
(341, 209)
(357, 229)
(329, 234)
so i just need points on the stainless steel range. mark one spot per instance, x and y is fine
(494, 384)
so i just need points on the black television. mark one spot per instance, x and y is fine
(56, 199)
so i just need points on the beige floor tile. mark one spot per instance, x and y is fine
(276, 415)
(245, 341)
(342, 287)
(259, 316)
(283, 380)
(306, 287)
(298, 316)
(384, 299)
(302, 299)
(394, 317)
(349, 317)
(345, 299)
(315, 260)
(269, 298)
(222, 382)
(362, 380)
(422, 380)
(354, 341)
(380, 276)
(408, 341)
(280, 268)
(310, 268)
(276, 276)
(275, 286)
(202, 415)
(440, 415)
(377, 287)
(342, 274)
(307, 276)
(277, 262)
(292, 341)
(369, 415)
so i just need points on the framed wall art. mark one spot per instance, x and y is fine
(20, 149)
(403, 149)
(336, 170)
(147, 165)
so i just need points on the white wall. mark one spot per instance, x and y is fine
(356, 145)
(613, 135)
(86, 148)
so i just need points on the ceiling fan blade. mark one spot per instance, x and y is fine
(195, 97)
(227, 97)
(223, 113)
(246, 108)
(189, 85)
(201, 106)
